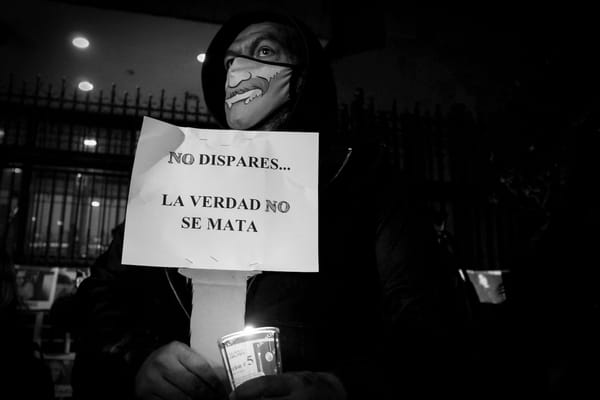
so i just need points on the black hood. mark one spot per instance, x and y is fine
(314, 105)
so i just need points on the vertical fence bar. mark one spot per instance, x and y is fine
(108, 130)
(105, 201)
(23, 209)
(197, 99)
(125, 103)
(149, 106)
(63, 218)
(72, 124)
(89, 217)
(61, 98)
(74, 230)
(53, 141)
(137, 101)
(10, 190)
(113, 93)
(37, 198)
(50, 215)
(162, 104)
(118, 213)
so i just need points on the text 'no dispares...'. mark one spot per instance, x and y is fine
(226, 160)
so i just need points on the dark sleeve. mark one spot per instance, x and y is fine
(410, 295)
(125, 312)
(419, 293)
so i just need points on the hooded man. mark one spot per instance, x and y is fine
(267, 72)
(262, 72)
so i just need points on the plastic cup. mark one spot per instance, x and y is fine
(250, 353)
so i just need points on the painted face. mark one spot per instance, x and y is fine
(259, 68)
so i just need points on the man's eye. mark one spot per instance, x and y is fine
(265, 51)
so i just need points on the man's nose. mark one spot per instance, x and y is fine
(235, 74)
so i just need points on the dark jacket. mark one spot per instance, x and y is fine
(380, 311)
(129, 310)
(344, 319)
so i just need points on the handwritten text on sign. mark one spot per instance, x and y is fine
(223, 199)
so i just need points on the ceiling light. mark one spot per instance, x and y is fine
(95, 203)
(201, 57)
(85, 86)
(90, 142)
(81, 42)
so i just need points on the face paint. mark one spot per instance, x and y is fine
(253, 90)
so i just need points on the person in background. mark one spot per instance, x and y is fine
(23, 374)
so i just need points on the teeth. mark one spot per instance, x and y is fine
(247, 96)
(253, 96)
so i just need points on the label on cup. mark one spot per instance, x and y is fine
(250, 353)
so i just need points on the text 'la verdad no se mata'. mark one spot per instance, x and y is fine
(223, 199)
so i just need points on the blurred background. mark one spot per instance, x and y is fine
(492, 112)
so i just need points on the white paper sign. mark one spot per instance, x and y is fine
(223, 199)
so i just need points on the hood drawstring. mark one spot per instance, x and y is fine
(339, 171)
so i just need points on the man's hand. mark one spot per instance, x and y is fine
(175, 371)
(292, 386)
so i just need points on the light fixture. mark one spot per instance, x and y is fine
(90, 142)
(2, 133)
(85, 86)
(17, 170)
(95, 203)
(80, 42)
(201, 57)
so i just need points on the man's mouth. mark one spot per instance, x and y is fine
(247, 96)
(246, 91)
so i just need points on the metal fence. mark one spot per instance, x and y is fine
(448, 156)
(72, 214)
(66, 161)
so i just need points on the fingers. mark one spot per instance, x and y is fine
(171, 392)
(264, 387)
(195, 364)
(175, 371)
(300, 385)
(152, 383)
(185, 381)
